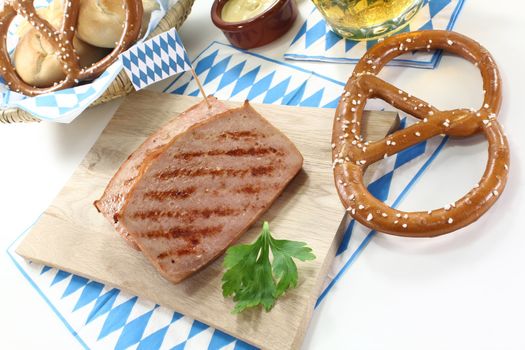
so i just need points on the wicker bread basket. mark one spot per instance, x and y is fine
(121, 85)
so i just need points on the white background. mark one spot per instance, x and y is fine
(461, 291)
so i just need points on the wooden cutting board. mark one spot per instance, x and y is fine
(72, 236)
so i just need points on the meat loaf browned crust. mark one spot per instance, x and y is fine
(197, 195)
(115, 194)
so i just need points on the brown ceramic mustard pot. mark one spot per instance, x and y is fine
(253, 23)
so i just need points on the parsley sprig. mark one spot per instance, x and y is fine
(252, 279)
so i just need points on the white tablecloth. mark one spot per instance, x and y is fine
(464, 290)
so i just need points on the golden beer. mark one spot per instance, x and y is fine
(367, 19)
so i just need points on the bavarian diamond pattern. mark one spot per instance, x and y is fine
(64, 105)
(101, 317)
(228, 74)
(316, 42)
(156, 59)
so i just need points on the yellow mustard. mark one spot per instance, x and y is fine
(242, 10)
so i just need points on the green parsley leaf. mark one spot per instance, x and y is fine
(252, 279)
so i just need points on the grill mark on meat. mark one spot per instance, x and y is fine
(184, 251)
(249, 189)
(191, 245)
(186, 215)
(185, 232)
(177, 252)
(163, 195)
(193, 240)
(238, 152)
(185, 172)
(262, 170)
(236, 135)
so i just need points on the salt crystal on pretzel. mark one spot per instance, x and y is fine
(459, 122)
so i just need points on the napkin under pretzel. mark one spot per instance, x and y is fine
(62, 41)
(352, 155)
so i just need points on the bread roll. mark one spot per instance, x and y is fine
(37, 64)
(53, 13)
(100, 21)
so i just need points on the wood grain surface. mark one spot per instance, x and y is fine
(71, 235)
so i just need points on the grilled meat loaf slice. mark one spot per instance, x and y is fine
(118, 188)
(205, 189)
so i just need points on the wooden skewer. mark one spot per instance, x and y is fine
(200, 87)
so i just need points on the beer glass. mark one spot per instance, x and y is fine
(367, 19)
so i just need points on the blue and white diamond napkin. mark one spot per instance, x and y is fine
(156, 59)
(102, 317)
(316, 42)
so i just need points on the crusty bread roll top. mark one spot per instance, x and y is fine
(100, 22)
(37, 63)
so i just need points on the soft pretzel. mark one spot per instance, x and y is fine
(352, 154)
(62, 40)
